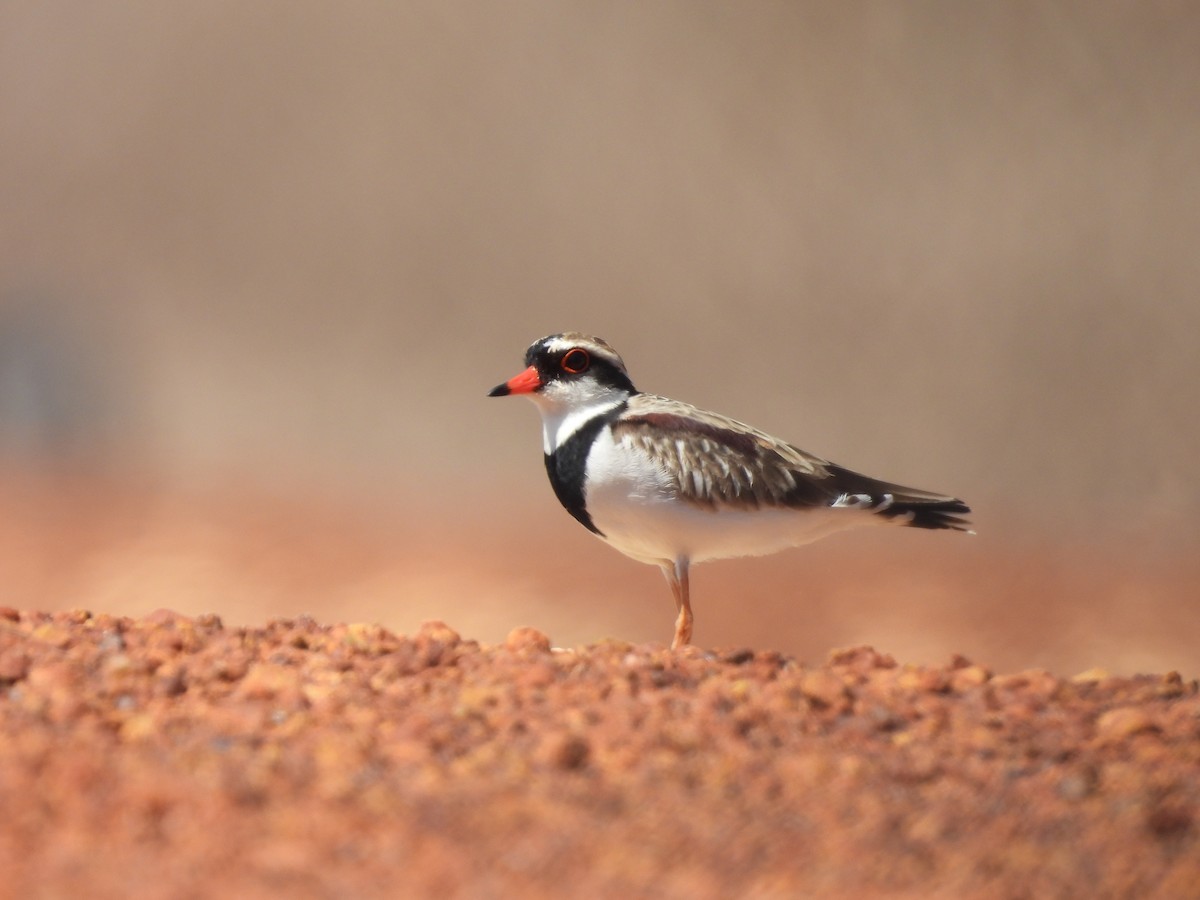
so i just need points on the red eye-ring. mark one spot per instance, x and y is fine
(575, 361)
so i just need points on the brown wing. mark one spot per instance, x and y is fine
(722, 462)
(719, 462)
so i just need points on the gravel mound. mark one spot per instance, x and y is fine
(174, 757)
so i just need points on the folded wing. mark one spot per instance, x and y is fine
(719, 462)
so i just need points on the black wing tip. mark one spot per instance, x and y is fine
(936, 514)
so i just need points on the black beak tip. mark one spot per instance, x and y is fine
(500, 390)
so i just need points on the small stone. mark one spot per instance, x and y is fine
(922, 680)
(823, 687)
(567, 751)
(966, 677)
(53, 635)
(1122, 722)
(138, 727)
(437, 630)
(861, 658)
(170, 681)
(1170, 686)
(1169, 819)
(163, 616)
(267, 681)
(433, 641)
(527, 640)
(117, 664)
(14, 665)
(210, 622)
(1078, 782)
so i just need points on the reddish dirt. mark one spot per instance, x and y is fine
(153, 754)
(171, 757)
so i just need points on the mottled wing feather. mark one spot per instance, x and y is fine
(718, 461)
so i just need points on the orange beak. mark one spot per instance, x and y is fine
(525, 383)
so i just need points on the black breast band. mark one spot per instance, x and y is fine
(567, 465)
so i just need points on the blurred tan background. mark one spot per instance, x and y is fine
(259, 264)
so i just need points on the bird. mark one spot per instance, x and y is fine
(672, 485)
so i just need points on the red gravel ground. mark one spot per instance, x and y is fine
(168, 756)
(156, 754)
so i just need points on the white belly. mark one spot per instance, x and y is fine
(631, 500)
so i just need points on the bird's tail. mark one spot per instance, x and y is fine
(944, 512)
(899, 504)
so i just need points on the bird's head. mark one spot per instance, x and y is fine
(571, 371)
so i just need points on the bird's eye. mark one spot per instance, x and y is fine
(575, 361)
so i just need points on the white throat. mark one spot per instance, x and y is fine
(560, 421)
(566, 406)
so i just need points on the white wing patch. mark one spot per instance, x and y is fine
(863, 501)
(870, 504)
